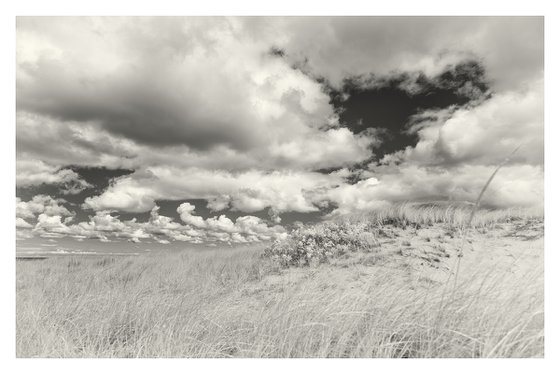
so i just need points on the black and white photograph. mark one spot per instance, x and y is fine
(280, 186)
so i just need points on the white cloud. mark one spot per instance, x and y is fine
(513, 186)
(249, 191)
(485, 134)
(161, 229)
(125, 195)
(52, 226)
(36, 172)
(41, 204)
(22, 224)
(332, 148)
(245, 228)
(186, 211)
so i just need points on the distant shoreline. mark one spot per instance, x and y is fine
(52, 255)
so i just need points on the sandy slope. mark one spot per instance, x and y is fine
(431, 255)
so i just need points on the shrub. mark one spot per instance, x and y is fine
(320, 243)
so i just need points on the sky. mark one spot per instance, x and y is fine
(203, 131)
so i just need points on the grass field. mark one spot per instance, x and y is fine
(386, 287)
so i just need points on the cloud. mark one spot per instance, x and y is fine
(53, 222)
(332, 148)
(88, 145)
(22, 224)
(44, 140)
(123, 92)
(484, 134)
(201, 109)
(152, 87)
(457, 151)
(124, 195)
(41, 204)
(23, 234)
(186, 211)
(36, 172)
(244, 229)
(104, 226)
(249, 191)
(513, 186)
(510, 48)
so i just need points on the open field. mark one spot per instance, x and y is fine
(385, 288)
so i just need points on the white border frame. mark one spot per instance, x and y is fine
(284, 7)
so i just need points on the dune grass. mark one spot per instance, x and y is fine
(455, 215)
(125, 306)
(326, 240)
(239, 303)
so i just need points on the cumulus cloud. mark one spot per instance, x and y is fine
(22, 224)
(186, 211)
(249, 191)
(41, 204)
(53, 222)
(484, 134)
(182, 92)
(36, 172)
(153, 88)
(200, 108)
(244, 229)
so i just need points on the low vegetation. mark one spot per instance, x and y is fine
(454, 215)
(325, 241)
(318, 244)
(375, 287)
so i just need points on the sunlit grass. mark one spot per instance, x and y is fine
(455, 215)
(237, 303)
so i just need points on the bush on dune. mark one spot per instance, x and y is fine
(319, 243)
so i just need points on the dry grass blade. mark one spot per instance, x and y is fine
(479, 198)
(473, 212)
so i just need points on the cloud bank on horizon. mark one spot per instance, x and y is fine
(269, 114)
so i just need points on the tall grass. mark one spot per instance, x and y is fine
(237, 303)
(125, 306)
(455, 215)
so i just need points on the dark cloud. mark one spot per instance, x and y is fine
(144, 107)
(162, 82)
(511, 48)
